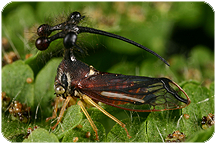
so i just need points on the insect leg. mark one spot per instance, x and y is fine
(62, 111)
(80, 103)
(90, 101)
(55, 110)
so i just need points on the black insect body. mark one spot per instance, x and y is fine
(76, 79)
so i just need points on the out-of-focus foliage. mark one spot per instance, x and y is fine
(181, 32)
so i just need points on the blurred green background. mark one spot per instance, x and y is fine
(181, 32)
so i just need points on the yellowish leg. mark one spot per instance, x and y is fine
(55, 110)
(80, 103)
(62, 111)
(90, 101)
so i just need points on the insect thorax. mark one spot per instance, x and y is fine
(69, 74)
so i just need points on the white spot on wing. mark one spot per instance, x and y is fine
(91, 71)
(122, 96)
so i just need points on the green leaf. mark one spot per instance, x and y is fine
(14, 82)
(136, 128)
(202, 102)
(211, 90)
(14, 131)
(201, 136)
(160, 124)
(41, 135)
(123, 68)
(44, 90)
(19, 19)
(152, 24)
(81, 133)
(71, 119)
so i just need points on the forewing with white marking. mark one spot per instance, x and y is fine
(134, 93)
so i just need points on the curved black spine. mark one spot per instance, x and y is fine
(100, 32)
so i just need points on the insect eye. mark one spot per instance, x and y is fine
(59, 90)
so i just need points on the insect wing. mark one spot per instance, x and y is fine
(135, 93)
